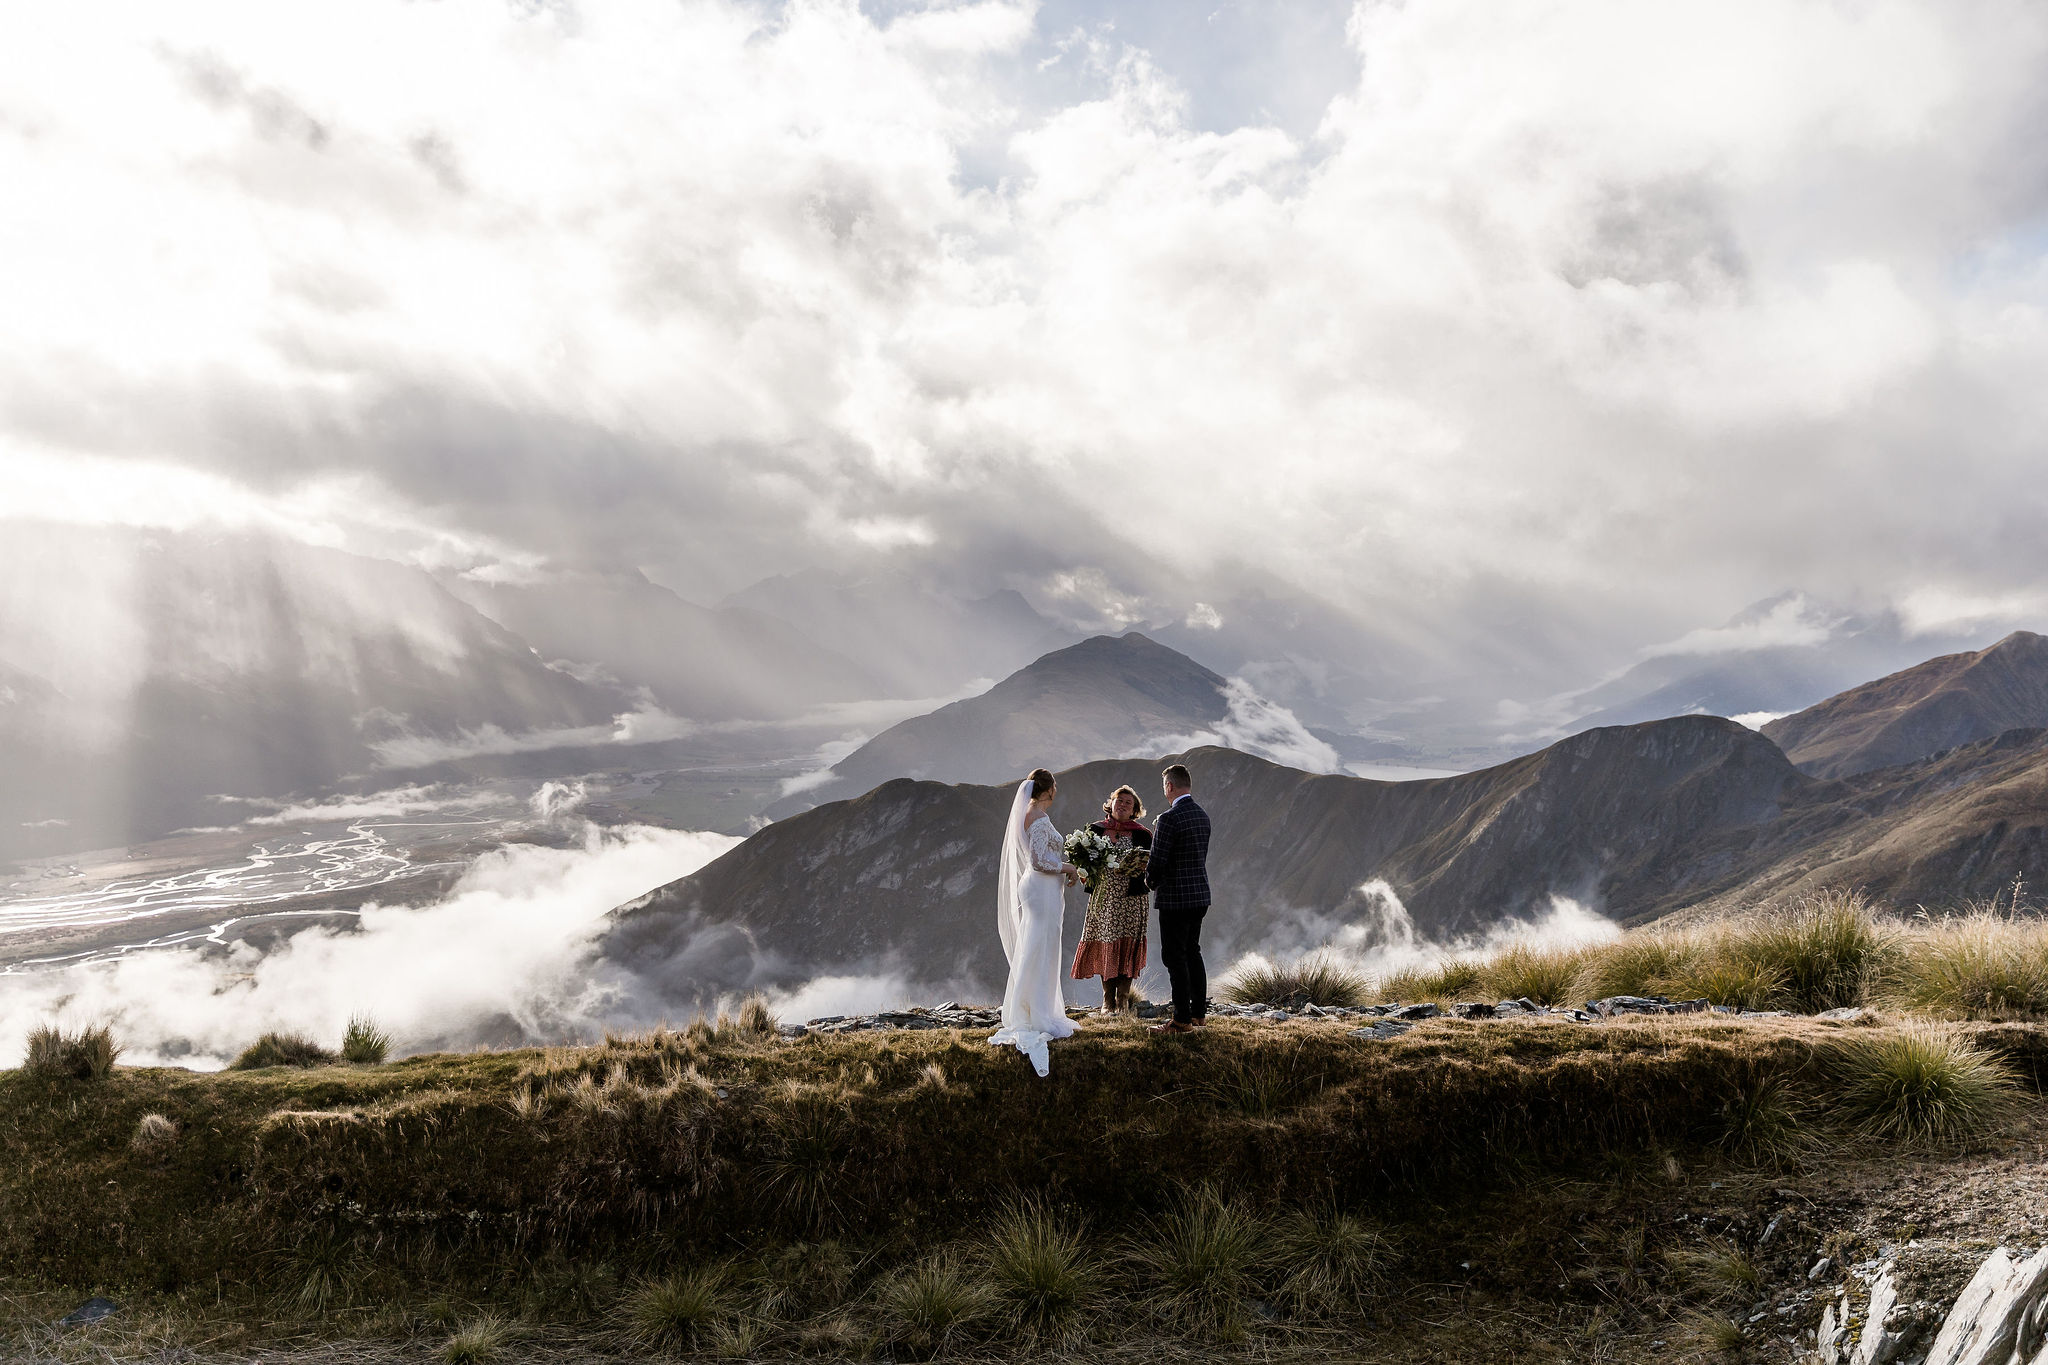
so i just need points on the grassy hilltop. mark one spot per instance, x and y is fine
(1475, 1187)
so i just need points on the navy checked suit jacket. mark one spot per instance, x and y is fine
(1179, 871)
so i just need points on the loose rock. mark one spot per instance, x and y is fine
(91, 1311)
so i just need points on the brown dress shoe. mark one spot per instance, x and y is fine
(1175, 1027)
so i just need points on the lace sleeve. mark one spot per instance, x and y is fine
(1048, 850)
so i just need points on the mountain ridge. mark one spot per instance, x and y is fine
(1952, 700)
(886, 876)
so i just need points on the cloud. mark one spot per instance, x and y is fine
(828, 756)
(1521, 340)
(1254, 725)
(1373, 933)
(646, 724)
(384, 805)
(503, 956)
(852, 993)
(1791, 621)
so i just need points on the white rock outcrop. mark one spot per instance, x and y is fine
(2000, 1316)
(1884, 1339)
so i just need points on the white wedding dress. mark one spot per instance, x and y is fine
(1030, 906)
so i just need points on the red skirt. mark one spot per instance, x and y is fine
(1109, 957)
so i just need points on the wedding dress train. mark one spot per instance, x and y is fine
(1030, 909)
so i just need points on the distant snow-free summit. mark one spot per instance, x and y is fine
(1106, 696)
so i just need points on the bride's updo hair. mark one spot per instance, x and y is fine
(1041, 782)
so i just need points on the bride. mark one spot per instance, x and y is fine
(1031, 884)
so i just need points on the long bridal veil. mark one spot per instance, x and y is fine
(1010, 870)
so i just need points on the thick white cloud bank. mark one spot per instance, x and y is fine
(503, 956)
(1377, 936)
(1645, 310)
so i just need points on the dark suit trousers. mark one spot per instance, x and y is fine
(1180, 948)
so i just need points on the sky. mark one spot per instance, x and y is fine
(1579, 319)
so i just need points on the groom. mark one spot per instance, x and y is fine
(1178, 876)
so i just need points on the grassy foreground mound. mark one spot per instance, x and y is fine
(912, 1191)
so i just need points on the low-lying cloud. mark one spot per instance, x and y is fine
(394, 804)
(504, 957)
(1253, 725)
(646, 724)
(1374, 934)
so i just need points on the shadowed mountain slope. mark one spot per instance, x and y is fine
(1952, 700)
(902, 873)
(1958, 826)
(1107, 695)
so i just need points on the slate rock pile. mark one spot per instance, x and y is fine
(1376, 1021)
(952, 1014)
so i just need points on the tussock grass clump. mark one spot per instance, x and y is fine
(319, 1270)
(1039, 1267)
(925, 1307)
(801, 1173)
(282, 1049)
(1830, 951)
(739, 1338)
(1543, 976)
(1454, 978)
(1726, 975)
(1316, 979)
(1713, 1336)
(673, 1312)
(1327, 1260)
(480, 1341)
(364, 1044)
(1760, 1122)
(1977, 966)
(1204, 1254)
(87, 1055)
(155, 1134)
(1720, 1271)
(1635, 964)
(754, 1023)
(1921, 1084)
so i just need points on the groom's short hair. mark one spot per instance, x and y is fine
(1178, 776)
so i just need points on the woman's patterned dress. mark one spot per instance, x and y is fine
(1113, 938)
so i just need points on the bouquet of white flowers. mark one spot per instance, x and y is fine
(1093, 853)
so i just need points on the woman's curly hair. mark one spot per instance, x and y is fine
(1137, 803)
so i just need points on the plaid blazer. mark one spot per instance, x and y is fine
(1179, 871)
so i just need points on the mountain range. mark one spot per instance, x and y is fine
(1688, 814)
(143, 674)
